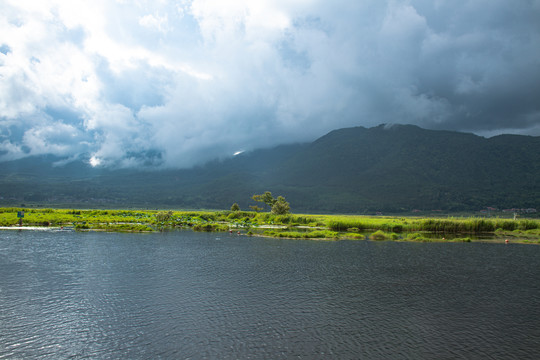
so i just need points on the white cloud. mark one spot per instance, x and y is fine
(157, 22)
(255, 20)
(179, 82)
(11, 151)
(55, 138)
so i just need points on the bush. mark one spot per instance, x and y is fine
(210, 227)
(235, 215)
(379, 235)
(416, 237)
(462, 239)
(164, 216)
(318, 234)
(283, 219)
(207, 217)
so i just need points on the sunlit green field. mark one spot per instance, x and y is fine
(335, 227)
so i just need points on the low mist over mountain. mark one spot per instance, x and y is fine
(353, 170)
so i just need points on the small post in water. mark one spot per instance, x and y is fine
(20, 215)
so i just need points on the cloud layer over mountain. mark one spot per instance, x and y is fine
(176, 83)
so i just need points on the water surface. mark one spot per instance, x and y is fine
(183, 295)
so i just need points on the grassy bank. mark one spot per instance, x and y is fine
(333, 227)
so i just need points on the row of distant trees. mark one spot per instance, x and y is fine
(278, 206)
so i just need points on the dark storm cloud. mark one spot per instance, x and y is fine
(179, 83)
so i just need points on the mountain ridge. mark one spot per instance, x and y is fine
(352, 170)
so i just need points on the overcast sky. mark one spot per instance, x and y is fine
(175, 83)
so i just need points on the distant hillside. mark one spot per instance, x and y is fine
(403, 167)
(357, 170)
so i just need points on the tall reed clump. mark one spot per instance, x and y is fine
(479, 225)
(474, 225)
(527, 224)
(440, 225)
(506, 225)
(490, 225)
(392, 227)
(343, 225)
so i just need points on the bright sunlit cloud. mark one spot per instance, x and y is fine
(177, 83)
(94, 161)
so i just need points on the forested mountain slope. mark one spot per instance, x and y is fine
(357, 170)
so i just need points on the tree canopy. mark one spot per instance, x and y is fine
(281, 207)
(265, 198)
(277, 206)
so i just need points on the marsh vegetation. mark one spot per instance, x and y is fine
(329, 227)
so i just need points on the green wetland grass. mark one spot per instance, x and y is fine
(304, 226)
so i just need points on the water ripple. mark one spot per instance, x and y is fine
(186, 295)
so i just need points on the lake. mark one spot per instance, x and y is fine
(187, 295)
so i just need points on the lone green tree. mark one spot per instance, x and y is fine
(235, 207)
(266, 198)
(277, 206)
(280, 207)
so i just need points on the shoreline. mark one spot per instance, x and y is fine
(289, 226)
(494, 240)
(36, 228)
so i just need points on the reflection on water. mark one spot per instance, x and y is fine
(198, 295)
